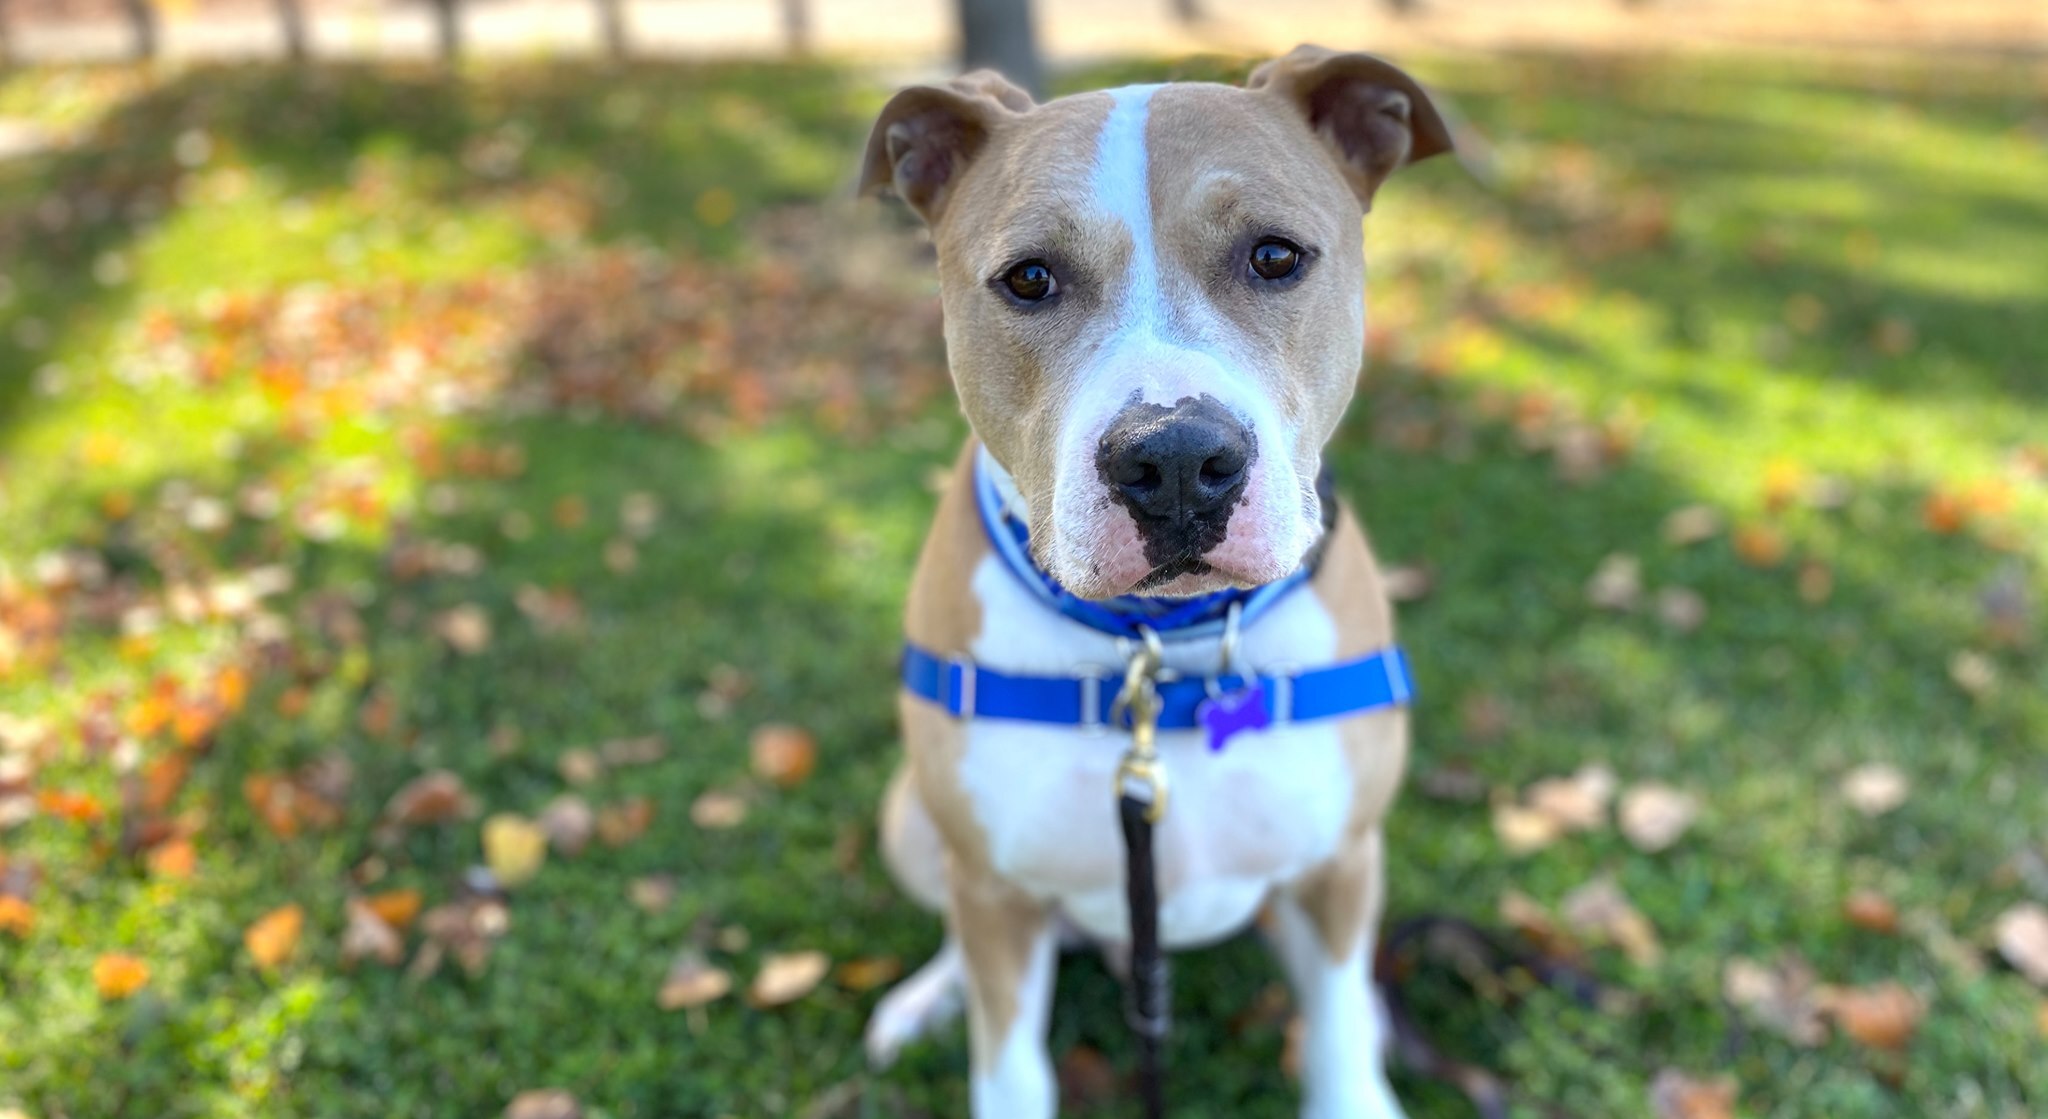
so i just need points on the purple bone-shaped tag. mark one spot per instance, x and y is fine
(1226, 715)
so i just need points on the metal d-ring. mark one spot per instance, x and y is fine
(1227, 654)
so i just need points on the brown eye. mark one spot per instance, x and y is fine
(1275, 260)
(1031, 281)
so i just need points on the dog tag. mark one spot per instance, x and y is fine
(1225, 715)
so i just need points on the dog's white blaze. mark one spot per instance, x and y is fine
(1123, 189)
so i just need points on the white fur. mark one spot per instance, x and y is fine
(1160, 352)
(1013, 1076)
(1344, 1031)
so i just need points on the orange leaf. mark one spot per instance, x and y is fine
(16, 916)
(151, 715)
(194, 724)
(1760, 545)
(1944, 513)
(81, 808)
(396, 908)
(117, 975)
(231, 688)
(1883, 1017)
(162, 780)
(176, 859)
(272, 799)
(783, 754)
(275, 935)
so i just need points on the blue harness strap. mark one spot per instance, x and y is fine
(967, 691)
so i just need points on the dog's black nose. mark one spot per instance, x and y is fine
(1177, 468)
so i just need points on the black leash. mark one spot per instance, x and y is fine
(1141, 804)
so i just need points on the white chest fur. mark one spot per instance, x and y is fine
(1266, 809)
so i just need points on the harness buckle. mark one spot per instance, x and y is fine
(1091, 700)
(965, 692)
(1283, 694)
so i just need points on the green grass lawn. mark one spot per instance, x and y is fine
(368, 347)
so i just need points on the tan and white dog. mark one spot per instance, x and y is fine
(1155, 319)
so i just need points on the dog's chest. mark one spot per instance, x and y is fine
(1267, 808)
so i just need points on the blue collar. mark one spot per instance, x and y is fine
(1223, 705)
(1173, 619)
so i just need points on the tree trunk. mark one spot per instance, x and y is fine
(611, 24)
(448, 27)
(998, 34)
(796, 26)
(143, 17)
(291, 20)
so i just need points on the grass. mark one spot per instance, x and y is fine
(423, 315)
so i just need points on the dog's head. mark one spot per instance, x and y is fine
(1154, 300)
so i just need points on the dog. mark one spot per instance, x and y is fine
(1154, 316)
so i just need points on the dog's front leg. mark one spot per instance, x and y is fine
(1010, 942)
(1323, 930)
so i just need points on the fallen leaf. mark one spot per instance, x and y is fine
(1872, 912)
(1577, 803)
(1087, 1079)
(1528, 916)
(369, 937)
(1781, 997)
(118, 976)
(396, 908)
(1599, 909)
(645, 750)
(717, 810)
(1676, 1095)
(569, 823)
(692, 981)
(1760, 545)
(783, 755)
(514, 848)
(466, 628)
(620, 556)
(175, 859)
(580, 766)
(868, 973)
(785, 978)
(437, 797)
(273, 938)
(1654, 816)
(468, 929)
(17, 917)
(2022, 937)
(652, 893)
(1816, 582)
(1944, 513)
(1692, 524)
(622, 823)
(544, 1103)
(1617, 584)
(1883, 1016)
(1681, 608)
(1973, 672)
(1523, 831)
(1875, 788)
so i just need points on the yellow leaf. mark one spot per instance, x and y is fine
(117, 976)
(787, 978)
(514, 848)
(275, 935)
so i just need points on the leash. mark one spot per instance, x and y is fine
(1141, 803)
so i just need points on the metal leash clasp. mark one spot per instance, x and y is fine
(1139, 774)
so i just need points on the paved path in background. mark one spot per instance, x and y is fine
(917, 34)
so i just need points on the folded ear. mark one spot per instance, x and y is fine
(1374, 118)
(928, 134)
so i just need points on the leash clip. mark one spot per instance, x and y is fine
(1139, 775)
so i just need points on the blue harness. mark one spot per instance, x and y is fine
(1224, 704)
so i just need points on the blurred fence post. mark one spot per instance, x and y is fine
(796, 26)
(291, 20)
(448, 28)
(142, 17)
(611, 24)
(998, 34)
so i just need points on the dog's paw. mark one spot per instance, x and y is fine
(915, 1007)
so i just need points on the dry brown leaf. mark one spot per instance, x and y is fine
(1578, 802)
(2022, 937)
(1682, 609)
(1617, 584)
(1872, 912)
(580, 766)
(1523, 831)
(644, 750)
(1528, 916)
(514, 848)
(783, 755)
(785, 978)
(544, 1103)
(1875, 788)
(652, 893)
(868, 973)
(1676, 1095)
(273, 938)
(436, 797)
(717, 810)
(1654, 816)
(466, 929)
(568, 823)
(396, 908)
(622, 823)
(1599, 909)
(466, 628)
(1692, 524)
(369, 937)
(1781, 997)
(692, 981)
(1883, 1016)
(1087, 1079)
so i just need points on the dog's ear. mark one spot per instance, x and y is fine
(927, 135)
(1373, 118)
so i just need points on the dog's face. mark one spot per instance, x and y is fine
(1154, 301)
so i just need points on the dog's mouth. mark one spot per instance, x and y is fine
(1167, 572)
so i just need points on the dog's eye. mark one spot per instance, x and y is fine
(1274, 259)
(1031, 281)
